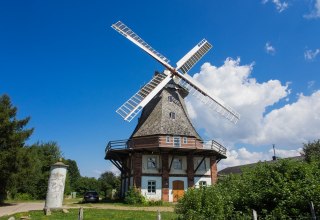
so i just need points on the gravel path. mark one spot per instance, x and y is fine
(24, 207)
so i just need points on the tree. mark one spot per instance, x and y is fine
(277, 190)
(311, 150)
(73, 173)
(108, 181)
(34, 164)
(12, 138)
(87, 183)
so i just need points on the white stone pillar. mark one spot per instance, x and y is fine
(56, 185)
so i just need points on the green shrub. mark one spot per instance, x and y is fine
(23, 196)
(134, 197)
(155, 203)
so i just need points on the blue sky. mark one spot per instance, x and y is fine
(62, 64)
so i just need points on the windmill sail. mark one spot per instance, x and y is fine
(134, 105)
(212, 102)
(193, 56)
(133, 37)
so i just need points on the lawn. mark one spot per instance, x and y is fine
(96, 214)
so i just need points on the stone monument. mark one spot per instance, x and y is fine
(56, 186)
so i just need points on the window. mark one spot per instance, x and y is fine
(202, 165)
(185, 140)
(172, 115)
(202, 183)
(167, 139)
(151, 186)
(170, 98)
(151, 164)
(176, 141)
(177, 164)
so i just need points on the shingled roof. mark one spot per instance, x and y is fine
(155, 117)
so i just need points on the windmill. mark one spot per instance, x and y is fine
(179, 74)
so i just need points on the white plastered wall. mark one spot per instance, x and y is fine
(144, 187)
(171, 179)
(198, 179)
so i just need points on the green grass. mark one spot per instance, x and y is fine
(96, 214)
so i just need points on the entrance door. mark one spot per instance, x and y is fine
(177, 189)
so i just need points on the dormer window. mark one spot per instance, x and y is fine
(172, 115)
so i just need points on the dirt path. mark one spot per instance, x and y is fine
(24, 207)
(20, 207)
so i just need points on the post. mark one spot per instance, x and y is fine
(313, 213)
(158, 215)
(80, 215)
(56, 185)
(254, 215)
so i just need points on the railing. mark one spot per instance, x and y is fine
(119, 144)
(215, 146)
(128, 143)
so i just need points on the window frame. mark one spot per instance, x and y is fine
(175, 160)
(172, 115)
(155, 163)
(168, 139)
(152, 187)
(203, 183)
(174, 141)
(185, 140)
(170, 98)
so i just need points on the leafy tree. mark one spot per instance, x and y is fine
(108, 181)
(73, 173)
(12, 138)
(34, 164)
(311, 150)
(87, 183)
(277, 190)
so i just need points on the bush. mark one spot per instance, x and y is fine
(134, 197)
(281, 190)
(155, 203)
(203, 203)
(23, 196)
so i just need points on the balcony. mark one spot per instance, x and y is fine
(160, 142)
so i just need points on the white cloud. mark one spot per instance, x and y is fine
(280, 6)
(287, 127)
(311, 55)
(315, 13)
(269, 48)
(243, 156)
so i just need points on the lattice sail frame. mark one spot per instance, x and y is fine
(134, 105)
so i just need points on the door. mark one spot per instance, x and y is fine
(177, 189)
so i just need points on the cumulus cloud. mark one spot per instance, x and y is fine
(243, 156)
(280, 6)
(311, 55)
(315, 12)
(269, 48)
(287, 126)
